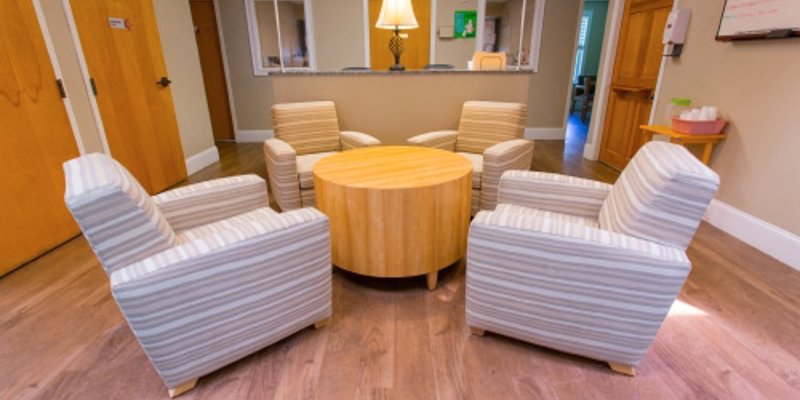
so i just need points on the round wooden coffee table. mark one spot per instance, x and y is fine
(395, 210)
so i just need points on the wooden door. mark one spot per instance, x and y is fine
(207, 36)
(633, 82)
(37, 139)
(121, 43)
(417, 45)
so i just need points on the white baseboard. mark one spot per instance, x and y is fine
(254, 135)
(770, 239)
(202, 159)
(556, 133)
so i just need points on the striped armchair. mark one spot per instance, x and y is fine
(585, 267)
(204, 274)
(304, 134)
(489, 135)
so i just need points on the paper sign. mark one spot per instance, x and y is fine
(119, 23)
(466, 24)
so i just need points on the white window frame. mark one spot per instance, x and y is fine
(536, 34)
(255, 42)
(579, 67)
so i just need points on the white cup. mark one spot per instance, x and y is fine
(713, 113)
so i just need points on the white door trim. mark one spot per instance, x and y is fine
(226, 68)
(367, 54)
(591, 150)
(98, 120)
(51, 52)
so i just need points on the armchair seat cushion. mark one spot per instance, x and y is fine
(305, 167)
(226, 225)
(556, 218)
(477, 167)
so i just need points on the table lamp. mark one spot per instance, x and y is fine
(396, 15)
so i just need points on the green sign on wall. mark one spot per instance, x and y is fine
(466, 24)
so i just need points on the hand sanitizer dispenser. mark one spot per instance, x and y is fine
(675, 31)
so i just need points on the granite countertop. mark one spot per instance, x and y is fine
(397, 73)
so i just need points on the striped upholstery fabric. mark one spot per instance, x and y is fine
(511, 154)
(117, 216)
(305, 133)
(213, 200)
(557, 282)
(486, 123)
(308, 198)
(553, 192)
(221, 296)
(443, 140)
(560, 219)
(354, 140)
(310, 127)
(213, 293)
(477, 168)
(661, 195)
(305, 168)
(489, 135)
(284, 181)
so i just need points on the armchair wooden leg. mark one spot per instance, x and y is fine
(477, 331)
(322, 323)
(432, 278)
(622, 368)
(182, 388)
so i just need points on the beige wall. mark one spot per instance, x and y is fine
(183, 64)
(545, 92)
(252, 95)
(71, 74)
(755, 84)
(392, 108)
(339, 34)
(455, 52)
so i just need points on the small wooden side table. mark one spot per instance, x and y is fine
(707, 141)
(395, 210)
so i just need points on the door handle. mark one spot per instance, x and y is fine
(163, 82)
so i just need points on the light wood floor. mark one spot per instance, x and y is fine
(734, 333)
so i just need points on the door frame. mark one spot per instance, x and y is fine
(87, 84)
(608, 55)
(51, 53)
(226, 68)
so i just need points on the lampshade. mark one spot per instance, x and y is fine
(397, 14)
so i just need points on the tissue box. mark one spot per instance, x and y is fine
(698, 127)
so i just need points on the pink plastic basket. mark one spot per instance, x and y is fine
(698, 127)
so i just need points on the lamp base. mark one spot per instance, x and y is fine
(396, 47)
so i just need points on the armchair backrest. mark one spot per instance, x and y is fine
(115, 213)
(660, 196)
(310, 127)
(485, 123)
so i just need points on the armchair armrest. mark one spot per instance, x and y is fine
(570, 286)
(205, 202)
(212, 300)
(503, 156)
(281, 161)
(353, 140)
(553, 192)
(444, 140)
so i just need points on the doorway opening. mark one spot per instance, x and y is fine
(592, 26)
